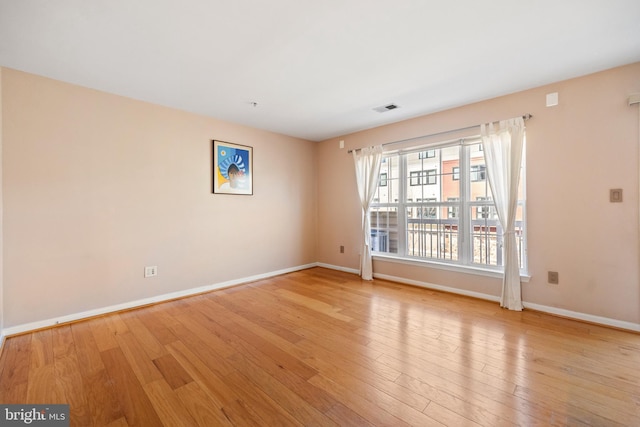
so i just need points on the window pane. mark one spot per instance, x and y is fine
(478, 173)
(384, 229)
(423, 175)
(450, 167)
(486, 234)
(429, 235)
(520, 235)
(388, 188)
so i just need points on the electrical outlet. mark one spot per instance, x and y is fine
(553, 277)
(615, 195)
(151, 271)
(341, 249)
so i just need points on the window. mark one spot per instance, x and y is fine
(478, 173)
(485, 210)
(456, 173)
(428, 177)
(415, 178)
(431, 210)
(439, 208)
(383, 180)
(452, 210)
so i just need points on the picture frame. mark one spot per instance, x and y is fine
(232, 168)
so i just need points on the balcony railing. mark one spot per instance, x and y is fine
(438, 239)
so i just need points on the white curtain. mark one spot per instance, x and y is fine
(503, 148)
(367, 164)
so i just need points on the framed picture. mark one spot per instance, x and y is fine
(232, 168)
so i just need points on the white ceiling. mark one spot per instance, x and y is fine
(316, 69)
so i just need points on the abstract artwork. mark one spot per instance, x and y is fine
(232, 168)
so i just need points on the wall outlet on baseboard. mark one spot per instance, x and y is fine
(151, 271)
(553, 277)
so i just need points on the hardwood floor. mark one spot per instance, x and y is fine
(321, 347)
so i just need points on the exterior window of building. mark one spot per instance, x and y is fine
(453, 209)
(478, 173)
(485, 210)
(431, 210)
(456, 173)
(383, 180)
(414, 178)
(428, 177)
(431, 177)
(439, 208)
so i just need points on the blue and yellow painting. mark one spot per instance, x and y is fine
(232, 168)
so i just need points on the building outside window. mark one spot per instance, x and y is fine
(453, 211)
(456, 173)
(478, 173)
(439, 208)
(427, 154)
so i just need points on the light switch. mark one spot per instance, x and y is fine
(615, 195)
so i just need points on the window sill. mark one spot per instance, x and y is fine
(478, 271)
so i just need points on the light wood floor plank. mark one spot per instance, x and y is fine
(14, 378)
(376, 406)
(290, 401)
(205, 348)
(354, 378)
(87, 350)
(322, 347)
(41, 349)
(147, 340)
(174, 374)
(269, 411)
(102, 398)
(198, 403)
(167, 404)
(103, 335)
(134, 402)
(221, 397)
(43, 386)
(482, 411)
(158, 325)
(79, 389)
(140, 362)
(70, 383)
(244, 309)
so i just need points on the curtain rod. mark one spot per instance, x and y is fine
(524, 117)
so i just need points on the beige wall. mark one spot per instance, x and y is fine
(97, 186)
(576, 152)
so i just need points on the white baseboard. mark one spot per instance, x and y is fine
(435, 287)
(339, 268)
(599, 320)
(605, 321)
(27, 327)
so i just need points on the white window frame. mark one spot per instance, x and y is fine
(463, 174)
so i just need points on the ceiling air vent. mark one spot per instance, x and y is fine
(385, 108)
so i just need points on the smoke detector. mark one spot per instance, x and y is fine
(386, 108)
